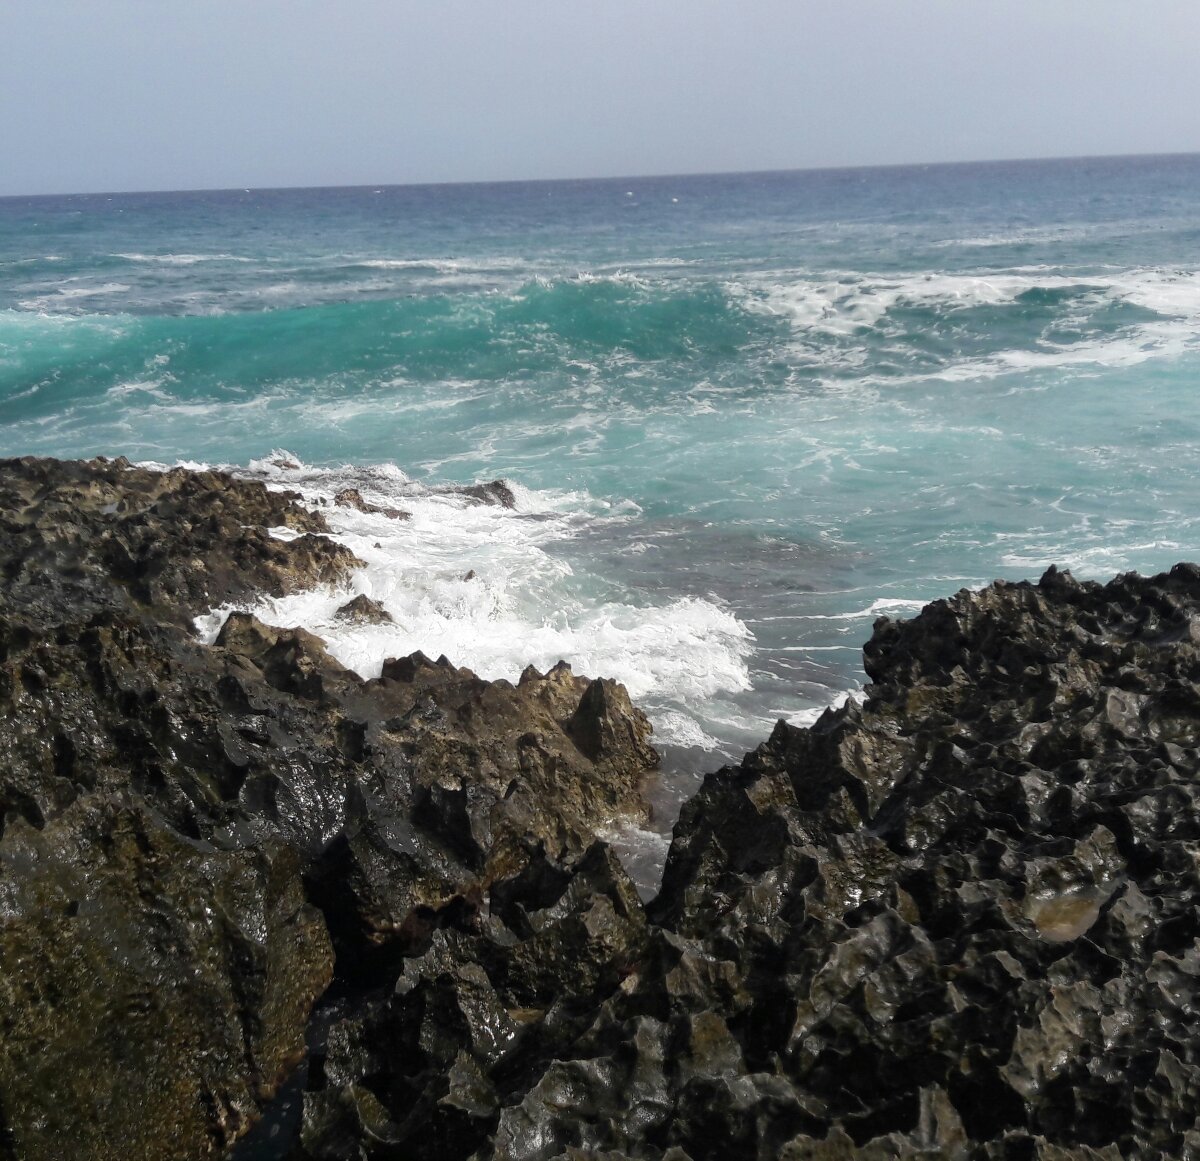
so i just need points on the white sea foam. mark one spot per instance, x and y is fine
(499, 273)
(1127, 350)
(643, 853)
(32, 318)
(846, 304)
(807, 717)
(1099, 561)
(182, 259)
(665, 263)
(398, 264)
(32, 261)
(522, 606)
(443, 263)
(1028, 236)
(614, 277)
(882, 607)
(140, 387)
(680, 729)
(70, 300)
(440, 265)
(1174, 293)
(92, 291)
(840, 304)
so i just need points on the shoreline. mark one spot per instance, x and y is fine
(952, 917)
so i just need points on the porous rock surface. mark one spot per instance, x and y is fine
(958, 920)
(196, 842)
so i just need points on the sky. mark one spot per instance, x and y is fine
(115, 95)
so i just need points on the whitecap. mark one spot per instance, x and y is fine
(182, 259)
(881, 607)
(151, 387)
(522, 605)
(675, 728)
(809, 716)
(841, 305)
(90, 291)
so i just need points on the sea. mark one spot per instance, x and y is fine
(742, 416)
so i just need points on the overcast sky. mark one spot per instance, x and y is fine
(106, 95)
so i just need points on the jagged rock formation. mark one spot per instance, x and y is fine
(189, 834)
(493, 492)
(960, 920)
(361, 610)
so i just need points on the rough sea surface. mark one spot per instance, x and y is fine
(743, 415)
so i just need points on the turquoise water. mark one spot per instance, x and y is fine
(747, 413)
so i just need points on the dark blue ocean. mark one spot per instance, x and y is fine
(744, 415)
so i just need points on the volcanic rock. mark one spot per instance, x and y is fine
(364, 611)
(155, 989)
(178, 541)
(184, 829)
(352, 498)
(495, 492)
(957, 921)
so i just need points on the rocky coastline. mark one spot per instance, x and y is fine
(254, 905)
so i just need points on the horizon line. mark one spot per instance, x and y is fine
(617, 177)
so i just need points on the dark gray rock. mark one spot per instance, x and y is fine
(495, 492)
(272, 800)
(364, 611)
(469, 1025)
(945, 921)
(960, 920)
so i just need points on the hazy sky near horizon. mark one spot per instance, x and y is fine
(147, 94)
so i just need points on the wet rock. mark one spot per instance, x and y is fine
(496, 493)
(364, 611)
(107, 536)
(184, 829)
(605, 725)
(155, 990)
(939, 919)
(454, 722)
(957, 921)
(352, 498)
(469, 1024)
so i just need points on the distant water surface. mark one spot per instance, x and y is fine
(744, 415)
